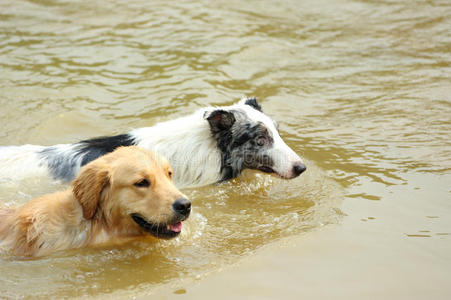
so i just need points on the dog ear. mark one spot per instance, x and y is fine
(88, 186)
(221, 120)
(253, 103)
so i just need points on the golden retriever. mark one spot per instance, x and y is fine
(121, 195)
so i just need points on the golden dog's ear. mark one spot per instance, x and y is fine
(88, 186)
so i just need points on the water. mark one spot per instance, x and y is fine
(361, 89)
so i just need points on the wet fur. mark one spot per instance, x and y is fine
(97, 209)
(211, 145)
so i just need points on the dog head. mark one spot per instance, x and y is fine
(249, 139)
(132, 188)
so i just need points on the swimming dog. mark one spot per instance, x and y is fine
(211, 145)
(124, 194)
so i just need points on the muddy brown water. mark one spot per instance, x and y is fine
(361, 89)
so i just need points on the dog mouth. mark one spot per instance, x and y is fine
(271, 171)
(266, 169)
(160, 230)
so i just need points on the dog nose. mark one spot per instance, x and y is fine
(182, 206)
(298, 169)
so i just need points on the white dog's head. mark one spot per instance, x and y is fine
(249, 139)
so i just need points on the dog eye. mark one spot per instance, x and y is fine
(261, 141)
(142, 183)
(170, 174)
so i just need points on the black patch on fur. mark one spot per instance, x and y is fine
(94, 148)
(221, 120)
(254, 103)
(65, 166)
(243, 145)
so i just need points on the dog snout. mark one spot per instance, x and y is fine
(182, 206)
(299, 168)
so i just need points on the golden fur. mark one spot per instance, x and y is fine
(99, 207)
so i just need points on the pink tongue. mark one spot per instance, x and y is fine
(176, 227)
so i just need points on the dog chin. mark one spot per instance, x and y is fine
(281, 176)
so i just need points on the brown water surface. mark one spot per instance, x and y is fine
(361, 89)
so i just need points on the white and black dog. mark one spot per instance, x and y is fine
(211, 145)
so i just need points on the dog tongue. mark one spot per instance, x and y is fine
(176, 227)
